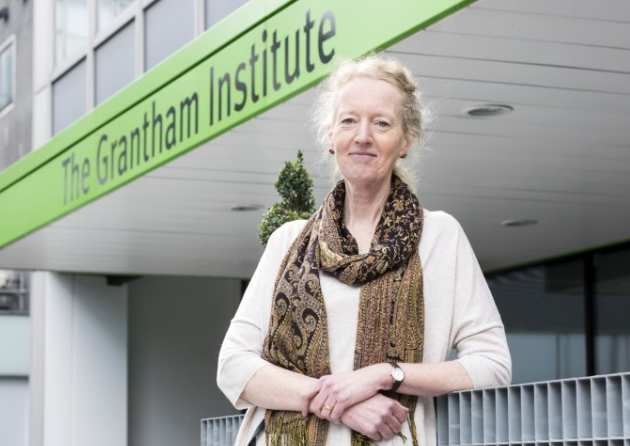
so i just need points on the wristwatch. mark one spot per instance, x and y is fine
(398, 376)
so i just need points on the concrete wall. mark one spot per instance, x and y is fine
(14, 411)
(15, 363)
(15, 346)
(15, 125)
(176, 325)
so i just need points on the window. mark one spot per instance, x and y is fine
(14, 292)
(612, 301)
(7, 73)
(71, 28)
(114, 61)
(169, 24)
(69, 102)
(543, 310)
(218, 9)
(108, 10)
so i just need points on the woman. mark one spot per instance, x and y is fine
(342, 335)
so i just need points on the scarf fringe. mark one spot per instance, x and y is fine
(412, 427)
(286, 429)
(360, 440)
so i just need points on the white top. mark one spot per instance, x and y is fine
(460, 313)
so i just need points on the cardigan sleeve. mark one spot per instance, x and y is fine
(477, 330)
(240, 353)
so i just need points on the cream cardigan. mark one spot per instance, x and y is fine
(460, 313)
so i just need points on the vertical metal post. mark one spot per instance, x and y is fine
(590, 311)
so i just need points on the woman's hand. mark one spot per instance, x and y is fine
(378, 417)
(340, 391)
(307, 397)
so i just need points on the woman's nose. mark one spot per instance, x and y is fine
(363, 134)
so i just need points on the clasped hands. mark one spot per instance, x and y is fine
(353, 398)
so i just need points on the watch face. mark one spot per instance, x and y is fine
(398, 374)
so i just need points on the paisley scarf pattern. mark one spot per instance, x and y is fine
(391, 308)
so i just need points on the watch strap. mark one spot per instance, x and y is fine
(397, 382)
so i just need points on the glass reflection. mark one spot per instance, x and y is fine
(71, 28)
(543, 312)
(108, 10)
(6, 76)
(612, 306)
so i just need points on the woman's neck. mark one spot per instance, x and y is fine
(362, 210)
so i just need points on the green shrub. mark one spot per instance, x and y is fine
(295, 187)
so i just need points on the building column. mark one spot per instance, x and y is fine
(79, 362)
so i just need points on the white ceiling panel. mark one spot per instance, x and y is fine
(524, 74)
(610, 10)
(514, 50)
(535, 26)
(438, 88)
(561, 157)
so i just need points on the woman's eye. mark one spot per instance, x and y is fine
(347, 120)
(383, 124)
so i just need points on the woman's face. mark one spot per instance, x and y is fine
(367, 133)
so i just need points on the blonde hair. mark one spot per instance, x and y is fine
(380, 68)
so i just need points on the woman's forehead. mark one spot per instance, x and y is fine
(369, 94)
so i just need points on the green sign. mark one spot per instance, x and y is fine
(278, 57)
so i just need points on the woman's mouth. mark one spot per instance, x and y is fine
(362, 155)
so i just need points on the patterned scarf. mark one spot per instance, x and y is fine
(391, 309)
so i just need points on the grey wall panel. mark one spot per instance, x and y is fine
(14, 406)
(176, 326)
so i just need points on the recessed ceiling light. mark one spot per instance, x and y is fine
(246, 207)
(488, 110)
(520, 222)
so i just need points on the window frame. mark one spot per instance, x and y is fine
(134, 13)
(71, 59)
(120, 21)
(57, 78)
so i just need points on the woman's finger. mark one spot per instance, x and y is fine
(308, 398)
(317, 404)
(333, 409)
(400, 412)
(373, 433)
(393, 423)
(338, 409)
(318, 401)
(384, 430)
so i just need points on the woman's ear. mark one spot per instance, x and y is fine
(404, 151)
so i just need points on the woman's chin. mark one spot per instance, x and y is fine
(362, 177)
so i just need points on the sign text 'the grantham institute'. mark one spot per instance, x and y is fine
(273, 62)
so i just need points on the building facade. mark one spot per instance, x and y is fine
(16, 67)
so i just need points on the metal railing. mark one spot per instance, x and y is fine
(589, 411)
(220, 431)
(581, 411)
